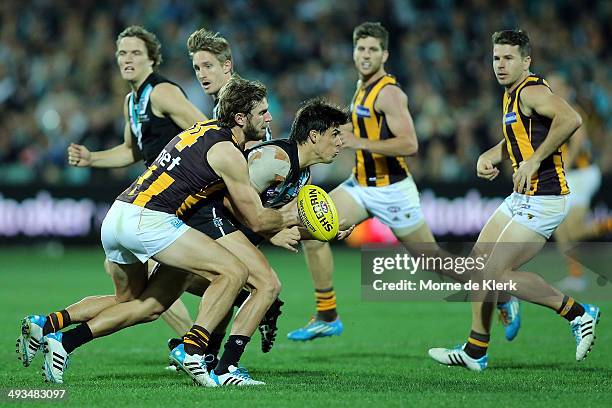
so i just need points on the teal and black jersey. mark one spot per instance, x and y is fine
(150, 133)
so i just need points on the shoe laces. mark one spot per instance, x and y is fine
(242, 372)
(458, 347)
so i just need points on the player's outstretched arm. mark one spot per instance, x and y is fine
(119, 156)
(168, 100)
(393, 103)
(565, 121)
(229, 163)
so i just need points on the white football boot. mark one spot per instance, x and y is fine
(29, 342)
(458, 357)
(235, 376)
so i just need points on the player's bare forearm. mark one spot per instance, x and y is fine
(118, 156)
(497, 153)
(271, 221)
(390, 147)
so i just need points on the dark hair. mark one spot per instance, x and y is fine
(513, 37)
(316, 114)
(204, 40)
(238, 96)
(370, 29)
(151, 42)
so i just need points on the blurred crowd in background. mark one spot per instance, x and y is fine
(59, 82)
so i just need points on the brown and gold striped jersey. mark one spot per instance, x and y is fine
(524, 134)
(180, 179)
(372, 169)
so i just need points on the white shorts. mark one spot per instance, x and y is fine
(583, 183)
(132, 234)
(397, 205)
(541, 214)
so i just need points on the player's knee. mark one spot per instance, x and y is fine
(268, 286)
(237, 273)
(124, 296)
(108, 268)
(275, 287)
(506, 275)
(495, 273)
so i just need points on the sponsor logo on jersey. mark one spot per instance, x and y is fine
(510, 118)
(362, 111)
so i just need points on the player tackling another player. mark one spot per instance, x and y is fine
(195, 169)
(183, 176)
(536, 124)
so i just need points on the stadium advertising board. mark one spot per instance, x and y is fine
(74, 214)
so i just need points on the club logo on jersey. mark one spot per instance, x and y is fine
(362, 111)
(510, 118)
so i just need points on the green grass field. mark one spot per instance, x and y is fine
(380, 359)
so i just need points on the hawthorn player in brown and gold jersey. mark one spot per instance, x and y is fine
(375, 169)
(524, 134)
(535, 123)
(382, 134)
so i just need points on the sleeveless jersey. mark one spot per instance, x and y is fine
(180, 180)
(373, 169)
(281, 193)
(524, 134)
(150, 133)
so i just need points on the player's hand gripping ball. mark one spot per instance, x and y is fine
(317, 212)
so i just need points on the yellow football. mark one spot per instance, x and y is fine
(317, 212)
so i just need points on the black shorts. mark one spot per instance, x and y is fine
(212, 219)
(253, 237)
